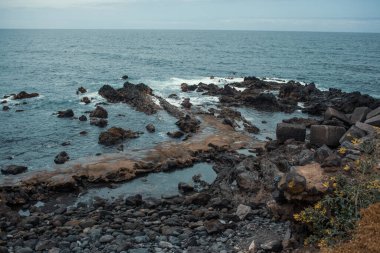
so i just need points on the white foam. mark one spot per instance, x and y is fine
(240, 89)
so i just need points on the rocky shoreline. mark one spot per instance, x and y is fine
(248, 208)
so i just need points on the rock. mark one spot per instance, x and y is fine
(353, 133)
(185, 87)
(85, 100)
(252, 247)
(198, 199)
(176, 134)
(251, 128)
(272, 246)
(99, 122)
(173, 96)
(81, 90)
(360, 114)
(185, 188)
(134, 200)
(263, 101)
(328, 135)
(6, 108)
(373, 113)
(99, 112)
(186, 103)
(13, 169)
(308, 122)
(23, 95)
(83, 133)
(322, 153)
(285, 131)
(214, 226)
(4, 250)
(106, 239)
(374, 121)
(242, 211)
(61, 158)
(293, 183)
(24, 250)
(66, 114)
(115, 135)
(124, 77)
(332, 113)
(249, 181)
(188, 124)
(83, 118)
(332, 160)
(150, 128)
(366, 128)
(4, 102)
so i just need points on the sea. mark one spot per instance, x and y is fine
(54, 63)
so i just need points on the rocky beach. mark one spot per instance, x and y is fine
(258, 201)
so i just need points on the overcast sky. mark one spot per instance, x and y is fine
(278, 15)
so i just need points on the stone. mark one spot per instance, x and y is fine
(252, 247)
(185, 188)
(285, 131)
(99, 112)
(214, 226)
(13, 169)
(272, 246)
(124, 77)
(106, 238)
(83, 118)
(332, 113)
(373, 113)
(360, 114)
(61, 158)
(242, 211)
(248, 180)
(24, 94)
(176, 134)
(150, 128)
(66, 114)
(332, 160)
(99, 122)
(186, 103)
(353, 133)
(188, 124)
(85, 100)
(293, 183)
(322, 153)
(115, 135)
(198, 199)
(135, 200)
(374, 121)
(24, 250)
(367, 128)
(6, 108)
(4, 250)
(81, 90)
(326, 135)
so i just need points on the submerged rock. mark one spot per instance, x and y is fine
(83, 118)
(99, 122)
(6, 108)
(99, 112)
(115, 135)
(150, 128)
(81, 90)
(124, 77)
(186, 103)
(24, 94)
(13, 169)
(188, 124)
(85, 100)
(66, 114)
(176, 134)
(61, 158)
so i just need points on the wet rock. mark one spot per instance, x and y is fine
(173, 96)
(134, 200)
(150, 128)
(176, 134)
(85, 100)
(198, 199)
(83, 133)
(106, 239)
(124, 77)
(332, 113)
(328, 135)
(99, 122)
(359, 114)
(185, 188)
(322, 153)
(186, 103)
(6, 108)
(373, 113)
(353, 133)
(61, 158)
(115, 135)
(81, 90)
(170, 109)
(188, 124)
(374, 121)
(285, 131)
(251, 128)
(185, 87)
(13, 169)
(99, 112)
(242, 211)
(23, 95)
(4, 102)
(66, 143)
(83, 118)
(66, 114)
(263, 101)
(249, 180)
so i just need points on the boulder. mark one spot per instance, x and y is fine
(198, 199)
(66, 114)
(186, 103)
(115, 135)
(263, 101)
(150, 128)
(13, 169)
(242, 211)
(332, 113)
(81, 90)
(373, 113)
(99, 122)
(185, 87)
(293, 183)
(374, 121)
(359, 114)
(332, 160)
(6, 108)
(85, 100)
(135, 200)
(124, 77)
(353, 133)
(83, 118)
(370, 130)
(285, 131)
(249, 180)
(214, 226)
(328, 135)
(61, 158)
(176, 134)
(173, 96)
(322, 153)
(307, 122)
(24, 94)
(99, 112)
(184, 187)
(188, 124)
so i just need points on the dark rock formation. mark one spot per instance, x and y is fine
(66, 114)
(285, 131)
(150, 128)
(13, 169)
(176, 134)
(186, 103)
(99, 122)
(81, 90)
(328, 135)
(188, 124)
(124, 77)
(83, 118)
(61, 158)
(23, 95)
(116, 135)
(99, 112)
(85, 100)
(6, 108)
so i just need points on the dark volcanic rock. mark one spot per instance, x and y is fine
(328, 135)
(332, 113)
(150, 128)
(6, 108)
(134, 200)
(287, 131)
(61, 158)
(374, 121)
(115, 135)
(83, 118)
(99, 112)
(124, 77)
(307, 122)
(24, 94)
(186, 103)
(13, 169)
(99, 122)
(322, 153)
(263, 101)
(188, 124)
(66, 114)
(373, 113)
(185, 87)
(176, 134)
(85, 100)
(185, 188)
(171, 109)
(81, 90)
(359, 114)
(173, 96)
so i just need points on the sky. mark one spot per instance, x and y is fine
(272, 15)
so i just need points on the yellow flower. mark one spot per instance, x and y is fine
(357, 163)
(355, 141)
(342, 150)
(375, 185)
(323, 211)
(318, 205)
(297, 217)
(333, 179)
(328, 231)
(346, 167)
(291, 184)
(322, 243)
(326, 184)
(334, 185)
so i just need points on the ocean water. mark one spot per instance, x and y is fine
(55, 63)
